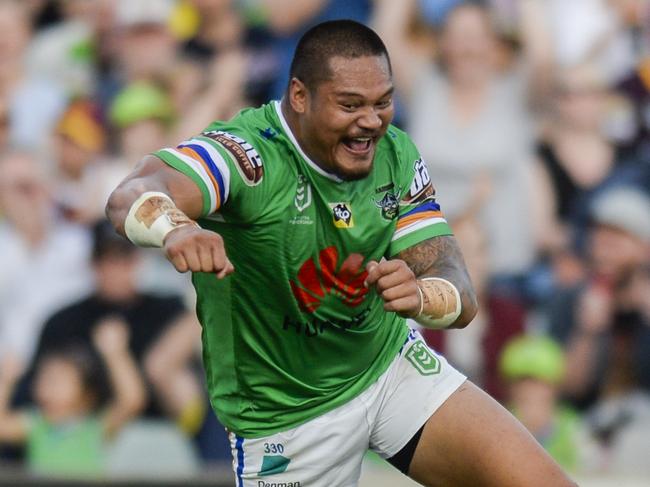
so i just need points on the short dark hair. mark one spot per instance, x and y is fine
(92, 371)
(107, 242)
(345, 38)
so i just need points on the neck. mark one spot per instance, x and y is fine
(291, 118)
(122, 295)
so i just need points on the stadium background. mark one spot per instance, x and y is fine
(533, 116)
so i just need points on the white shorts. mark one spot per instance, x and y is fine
(327, 451)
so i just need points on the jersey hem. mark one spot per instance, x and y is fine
(326, 407)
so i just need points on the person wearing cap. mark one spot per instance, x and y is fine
(146, 47)
(604, 322)
(83, 175)
(533, 368)
(142, 113)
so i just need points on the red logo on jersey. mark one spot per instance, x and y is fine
(315, 283)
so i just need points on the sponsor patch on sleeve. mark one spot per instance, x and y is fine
(247, 161)
(421, 188)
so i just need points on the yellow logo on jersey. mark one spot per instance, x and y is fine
(342, 215)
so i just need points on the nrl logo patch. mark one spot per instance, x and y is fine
(425, 362)
(302, 200)
(342, 215)
(247, 161)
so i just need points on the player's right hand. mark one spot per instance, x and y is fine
(191, 248)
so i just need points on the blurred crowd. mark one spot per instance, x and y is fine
(532, 115)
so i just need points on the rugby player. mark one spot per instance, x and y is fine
(312, 231)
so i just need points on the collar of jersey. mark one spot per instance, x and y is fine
(292, 138)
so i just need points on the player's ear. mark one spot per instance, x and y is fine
(297, 95)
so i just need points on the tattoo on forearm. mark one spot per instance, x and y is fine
(441, 257)
(434, 257)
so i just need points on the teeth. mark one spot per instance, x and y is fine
(361, 139)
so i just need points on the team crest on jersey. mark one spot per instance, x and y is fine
(247, 161)
(421, 188)
(389, 205)
(342, 214)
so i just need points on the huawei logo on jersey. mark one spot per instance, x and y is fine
(314, 283)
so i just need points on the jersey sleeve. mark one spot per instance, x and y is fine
(419, 217)
(219, 162)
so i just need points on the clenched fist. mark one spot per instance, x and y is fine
(395, 282)
(190, 248)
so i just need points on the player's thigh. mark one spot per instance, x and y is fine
(471, 440)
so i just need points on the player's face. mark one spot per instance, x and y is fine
(345, 117)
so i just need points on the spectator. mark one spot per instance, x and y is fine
(65, 51)
(142, 113)
(472, 123)
(67, 432)
(635, 85)
(44, 260)
(34, 103)
(603, 321)
(575, 157)
(225, 28)
(148, 318)
(619, 425)
(84, 177)
(288, 21)
(592, 31)
(534, 366)
(147, 50)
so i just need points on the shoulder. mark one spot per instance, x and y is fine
(251, 140)
(79, 309)
(398, 148)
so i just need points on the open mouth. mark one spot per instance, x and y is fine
(358, 145)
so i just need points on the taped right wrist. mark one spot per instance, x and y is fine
(151, 217)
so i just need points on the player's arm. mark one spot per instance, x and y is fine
(156, 206)
(438, 259)
(427, 282)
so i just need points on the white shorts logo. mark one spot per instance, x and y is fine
(422, 359)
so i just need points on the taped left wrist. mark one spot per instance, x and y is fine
(440, 303)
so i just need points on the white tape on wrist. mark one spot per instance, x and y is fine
(439, 322)
(421, 301)
(151, 217)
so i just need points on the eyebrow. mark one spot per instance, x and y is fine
(359, 95)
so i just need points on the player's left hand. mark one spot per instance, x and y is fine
(395, 282)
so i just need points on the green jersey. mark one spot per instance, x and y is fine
(293, 332)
